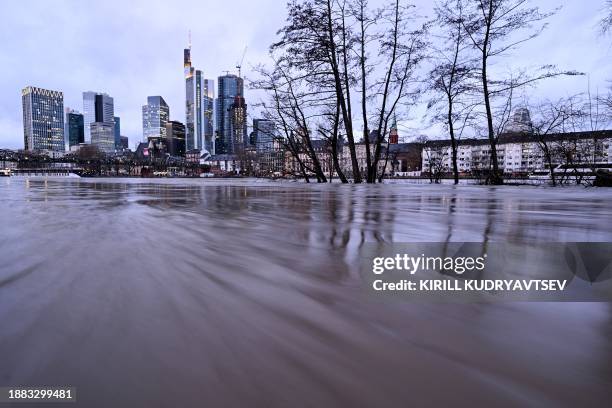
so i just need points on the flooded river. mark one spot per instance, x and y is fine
(204, 293)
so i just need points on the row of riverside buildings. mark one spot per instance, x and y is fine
(521, 153)
(212, 126)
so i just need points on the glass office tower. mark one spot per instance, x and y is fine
(75, 128)
(175, 138)
(238, 125)
(264, 132)
(229, 87)
(208, 103)
(199, 107)
(117, 121)
(103, 136)
(97, 107)
(155, 116)
(193, 103)
(43, 119)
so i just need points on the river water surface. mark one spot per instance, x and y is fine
(194, 293)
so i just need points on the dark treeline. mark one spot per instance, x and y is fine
(90, 161)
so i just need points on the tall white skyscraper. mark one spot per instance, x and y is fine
(199, 107)
(193, 103)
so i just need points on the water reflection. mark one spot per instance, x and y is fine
(191, 293)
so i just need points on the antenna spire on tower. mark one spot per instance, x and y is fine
(239, 64)
(189, 39)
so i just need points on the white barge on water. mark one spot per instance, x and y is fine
(43, 173)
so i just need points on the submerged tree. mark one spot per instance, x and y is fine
(401, 44)
(337, 49)
(552, 118)
(293, 108)
(452, 77)
(496, 27)
(567, 132)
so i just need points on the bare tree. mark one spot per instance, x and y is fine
(551, 118)
(292, 107)
(606, 103)
(342, 48)
(435, 155)
(591, 116)
(606, 22)
(452, 78)
(402, 46)
(496, 27)
(567, 133)
(332, 135)
(311, 46)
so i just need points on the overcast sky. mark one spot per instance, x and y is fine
(134, 48)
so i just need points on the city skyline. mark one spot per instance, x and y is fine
(128, 82)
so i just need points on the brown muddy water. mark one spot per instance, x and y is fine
(200, 293)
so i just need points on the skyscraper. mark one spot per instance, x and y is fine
(97, 107)
(520, 122)
(199, 106)
(238, 124)
(193, 102)
(117, 121)
(89, 113)
(189, 99)
(43, 119)
(208, 103)
(198, 110)
(124, 143)
(264, 131)
(103, 136)
(229, 87)
(74, 128)
(175, 138)
(155, 116)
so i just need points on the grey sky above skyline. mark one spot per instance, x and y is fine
(134, 49)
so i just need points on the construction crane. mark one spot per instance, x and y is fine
(239, 65)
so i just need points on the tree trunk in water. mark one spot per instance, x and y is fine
(451, 128)
(348, 122)
(495, 178)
